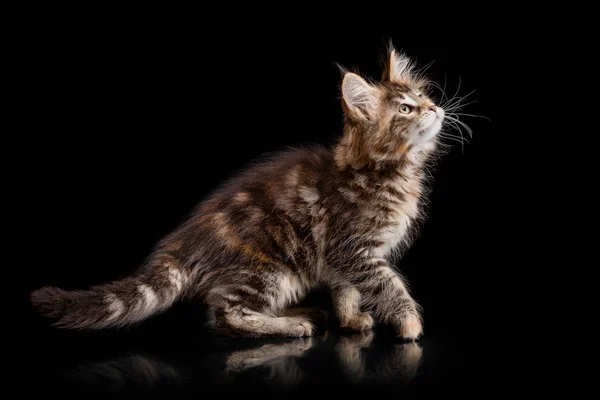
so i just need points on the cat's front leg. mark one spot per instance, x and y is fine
(346, 301)
(384, 292)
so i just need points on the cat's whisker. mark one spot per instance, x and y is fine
(456, 102)
(457, 128)
(467, 128)
(454, 137)
(459, 86)
(456, 92)
(455, 124)
(458, 107)
(438, 87)
(419, 74)
(461, 99)
(451, 144)
(445, 81)
(471, 115)
(461, 139)
(426, 67)
(466, 95)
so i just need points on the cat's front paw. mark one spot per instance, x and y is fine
(358, 323)
(409, 327)
(303, 329)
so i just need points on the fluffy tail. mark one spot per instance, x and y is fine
(115, 304)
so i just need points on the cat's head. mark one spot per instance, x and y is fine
(390, 119)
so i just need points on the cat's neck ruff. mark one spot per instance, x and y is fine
(399, 186)
(403, 211)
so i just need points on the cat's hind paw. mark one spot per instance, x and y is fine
(302, 328)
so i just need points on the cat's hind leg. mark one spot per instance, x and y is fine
(244, 310)
(317, 316)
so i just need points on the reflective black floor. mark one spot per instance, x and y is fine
(170, 355)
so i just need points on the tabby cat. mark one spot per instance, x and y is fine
(301, 219)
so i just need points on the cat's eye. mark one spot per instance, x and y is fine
(404, 109)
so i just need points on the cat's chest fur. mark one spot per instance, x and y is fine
(399, 208)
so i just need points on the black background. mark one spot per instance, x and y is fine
(131, 120)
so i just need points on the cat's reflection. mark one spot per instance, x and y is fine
(400, 364)
(285, 363)
(349, 351)
(278, 361)
(136, 371)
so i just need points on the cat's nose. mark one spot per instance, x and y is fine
(432, 108)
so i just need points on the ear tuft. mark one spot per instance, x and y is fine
(360, 97)
(398, 67)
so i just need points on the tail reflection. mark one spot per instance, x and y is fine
(129, 372)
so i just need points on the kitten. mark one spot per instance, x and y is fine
(302, 219)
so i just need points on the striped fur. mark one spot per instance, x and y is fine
(300, 219)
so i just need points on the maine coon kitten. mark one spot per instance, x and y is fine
(301, 219)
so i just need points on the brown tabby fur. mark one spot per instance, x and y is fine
(301, 219)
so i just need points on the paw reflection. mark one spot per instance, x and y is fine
(279, 360)
(401, 365)
(349, 352)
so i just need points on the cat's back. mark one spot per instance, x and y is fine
(269, 198)
(275, 182)
(278, 173)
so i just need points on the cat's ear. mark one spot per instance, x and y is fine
(360, 97)
(398, 67)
